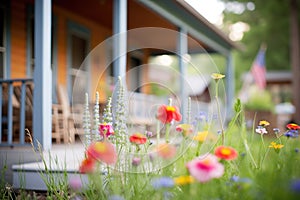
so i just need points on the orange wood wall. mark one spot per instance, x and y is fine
(18, 45)
(18, 39)
(98, 34)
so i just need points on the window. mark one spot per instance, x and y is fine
(78, 73)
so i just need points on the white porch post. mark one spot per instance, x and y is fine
(182, 50)
(42, 97)
(230, 86)
(120, 38)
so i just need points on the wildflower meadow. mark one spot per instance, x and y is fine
(204, 158)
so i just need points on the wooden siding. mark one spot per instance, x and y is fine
(98, 32)
(18, 39)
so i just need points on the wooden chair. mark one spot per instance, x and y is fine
(66, 120)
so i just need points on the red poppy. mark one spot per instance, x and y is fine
(293, 126)
(168, 113)
(87, 165)
(138, 138)
(103, 151)
(226, 153)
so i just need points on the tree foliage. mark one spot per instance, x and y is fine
(268, 23)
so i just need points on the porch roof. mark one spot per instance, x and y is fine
(203, 36)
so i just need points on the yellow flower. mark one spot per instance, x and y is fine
(276, 146)
(183, 180)
(201, 136)
(264, 123)
(217, 76)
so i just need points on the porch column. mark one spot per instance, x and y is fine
(230, 86)
(42, 96)
(182, 50)
(119, 38)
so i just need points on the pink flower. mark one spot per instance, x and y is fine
(103, 151)
(205, 168)
(106, 130)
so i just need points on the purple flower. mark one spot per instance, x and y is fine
(202, 116)
(75, 183)
(162, 182)
(291, 133)
(297, 150)
(136, 161)
(295, 186)
(149, 134)
(235, 178)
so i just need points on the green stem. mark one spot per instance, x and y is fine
(167, 132)
(262, 140)
(157, 132)
(219, 114)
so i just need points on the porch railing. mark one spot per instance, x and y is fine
(15, 111)
(143, 107)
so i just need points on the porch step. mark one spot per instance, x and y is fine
(61, 160)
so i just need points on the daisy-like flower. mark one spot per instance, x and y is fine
(185, 129)
(166, 114)
(217, 76)
(103, 151)
(87, 165)
(293, 126)
(183, 180)
(166, 150)
(205, 168)
(264, 123)
(226, 153)
(138, 139)
(106, 130)
(276, 146)
(162, 182)
(261, 130)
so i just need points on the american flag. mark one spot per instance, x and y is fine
(259, 69)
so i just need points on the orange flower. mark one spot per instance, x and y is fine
(138, 138)
(166, 150)
(226, 153)
(293, 126)
(166, 114)
(87, 165)
(103, 151)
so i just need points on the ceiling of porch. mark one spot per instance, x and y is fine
(101, 11)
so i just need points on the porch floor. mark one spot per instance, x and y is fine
(62, 159)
